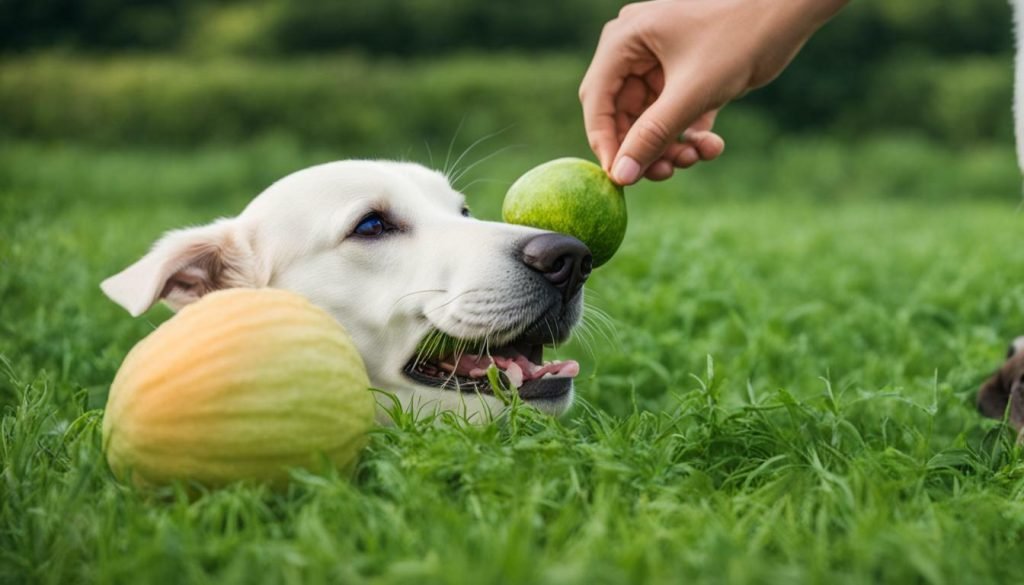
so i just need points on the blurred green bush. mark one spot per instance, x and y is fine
(962, 100)
(418, 28)
(350, 102)
(373, 74)
(424, 27)
(375, 105)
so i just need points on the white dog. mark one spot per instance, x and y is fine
(1018, 79)
(390, 251)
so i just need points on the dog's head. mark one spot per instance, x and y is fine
(431, 296)
(1004, 388)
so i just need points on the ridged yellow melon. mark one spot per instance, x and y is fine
(241, 385)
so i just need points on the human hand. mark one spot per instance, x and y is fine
(664, 68)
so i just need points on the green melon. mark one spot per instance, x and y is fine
(570, 196)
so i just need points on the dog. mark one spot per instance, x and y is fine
(392, 252)
(1004, 388)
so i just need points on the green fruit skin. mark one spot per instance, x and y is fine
(570, 196)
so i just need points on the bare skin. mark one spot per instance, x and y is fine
(663, 69)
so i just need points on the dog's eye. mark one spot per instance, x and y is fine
(370, 226)
(465, 211)
(1010, 351)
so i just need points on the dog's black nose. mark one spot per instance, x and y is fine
(563, 260)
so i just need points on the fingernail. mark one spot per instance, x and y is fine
(626, 171)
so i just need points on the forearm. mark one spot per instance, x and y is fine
(782, 30)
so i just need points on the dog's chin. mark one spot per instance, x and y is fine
(426, 401)
(555, 406)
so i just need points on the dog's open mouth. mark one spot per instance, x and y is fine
(520, 364)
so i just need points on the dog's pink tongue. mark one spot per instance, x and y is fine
(565, 369)
(518, 369)
(474, 366)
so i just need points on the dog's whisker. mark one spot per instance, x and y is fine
(426, 348)
(430, 153)
(469, 168)
(583, 335)
(423, 349)
(602, 327)
(487, 338)
(551, 332)
(469, 149)
(453, 299)
(469, 185)
(451, 145)
(417, 292)
(462, 172)
(460, 348)
(595, 293)
(592, 310)
(593, 307)
(594, 329)
(600, 320)
(394, 307)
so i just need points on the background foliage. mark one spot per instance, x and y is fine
(928, 66)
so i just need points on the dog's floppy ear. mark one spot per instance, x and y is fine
(993, 396)
(184, 265)
(1005, 389)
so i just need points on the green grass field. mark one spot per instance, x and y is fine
(784, 392)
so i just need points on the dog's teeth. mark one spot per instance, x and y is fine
(426, 369)
(514, 374)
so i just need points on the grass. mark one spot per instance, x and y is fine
(785, 395)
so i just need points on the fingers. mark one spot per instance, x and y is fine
(705, 122)
(660, 170)
(699, 146)
(705, 145)
(652, 134)
(600, 86)
(629, 104)
(599, 120)
(687, 157)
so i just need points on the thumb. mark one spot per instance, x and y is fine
(654, 131)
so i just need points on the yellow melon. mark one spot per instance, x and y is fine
(242, 385)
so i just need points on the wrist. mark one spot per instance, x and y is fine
(781, 29)
(807, 14)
